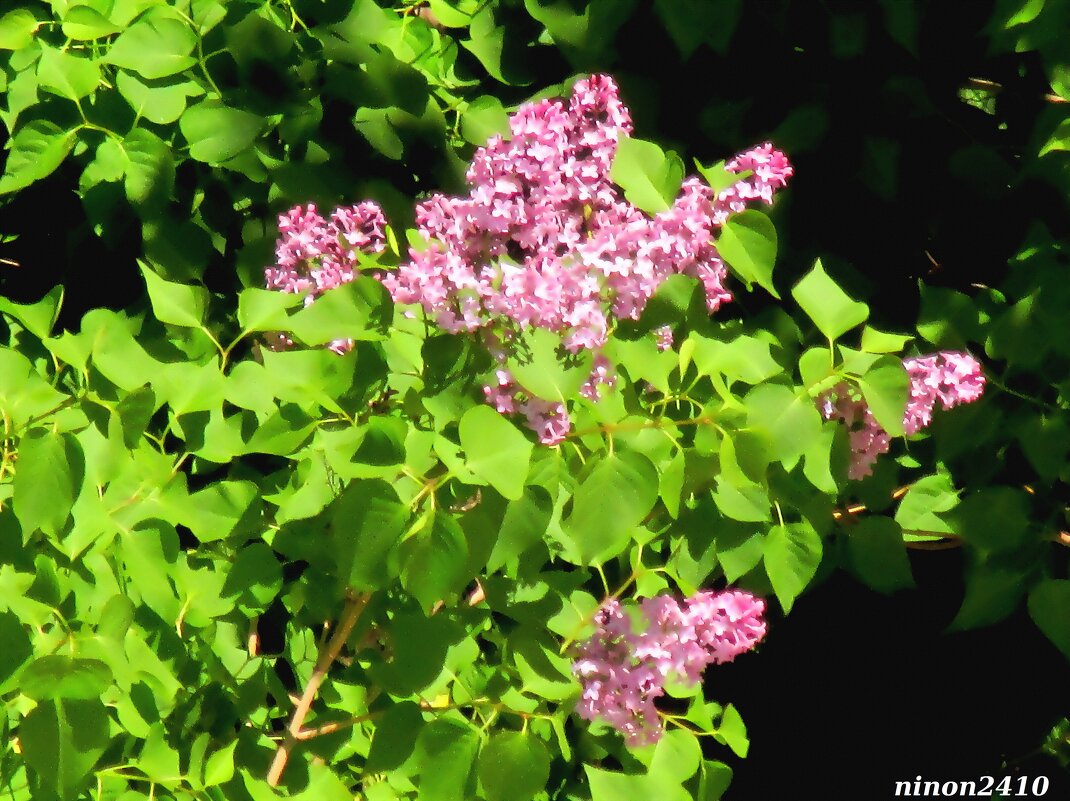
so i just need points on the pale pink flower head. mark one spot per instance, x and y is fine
(543, 238)
(315, 255)
(623, 669)
(950, 377)
(867, 438)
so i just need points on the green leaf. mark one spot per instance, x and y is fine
(265, 309)
(150, 170)
(886, 387)
(16, 647)
(692, 23)
(877, 554)
(523, 524)
(791, 553)
(1045, 441)
(62, 741)
(39, 317)
(748, 243)
(924, 501)
(376, 126)
(188, 387)
(219, 769)
(718, 178)
(546, 375)
(484, 117)
(255, 577)
(161, 103)
(437, 561)
(947, 319)
(993, 518)
(649, 177)
(357, 310)
(108, 165)
(789, 420)
(831, 309)
(1028, 11)
(874, 341)
(158, 759)
(445, 752)
(732, 732)
(746, 503)
(817, 371)
(513, 766)
(68, 76)
(716, 776)
(83, 23)
(177, 304)
(449, 15)
(366, 525)
(150, 553)
(57, 676)
(744, 358)
(36, 150)
(17, 28)
(217, 133)
(582, 35)
(47, 480)
(154, 47)
(610, 501)
(300, 376)
(395, 737)
(487, 43)
(992, 595)
(1048, 603)
(676, 757)
(817, 461)
(609, 786)
(213, 512)
(496, 450)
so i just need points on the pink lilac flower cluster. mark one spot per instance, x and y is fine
(949, 377)
(314, 254)
(545, 239)
(623, 671)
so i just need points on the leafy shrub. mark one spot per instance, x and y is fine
(251, 540)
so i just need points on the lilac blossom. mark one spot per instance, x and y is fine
(314, 255)
(623, 670)
(949, 377)
(543, 239)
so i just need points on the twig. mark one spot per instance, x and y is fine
(253, 640)
(478, 595)
(335, 726)
(354, 606)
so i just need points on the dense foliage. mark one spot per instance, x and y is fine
(437, 495)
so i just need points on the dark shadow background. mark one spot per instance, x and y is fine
(855, 690)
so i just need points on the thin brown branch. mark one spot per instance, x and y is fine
(253, 639)
(478, 595)
(355, 604)
(335, 726)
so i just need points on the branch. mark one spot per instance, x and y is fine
(338, 725)
(354, 606)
